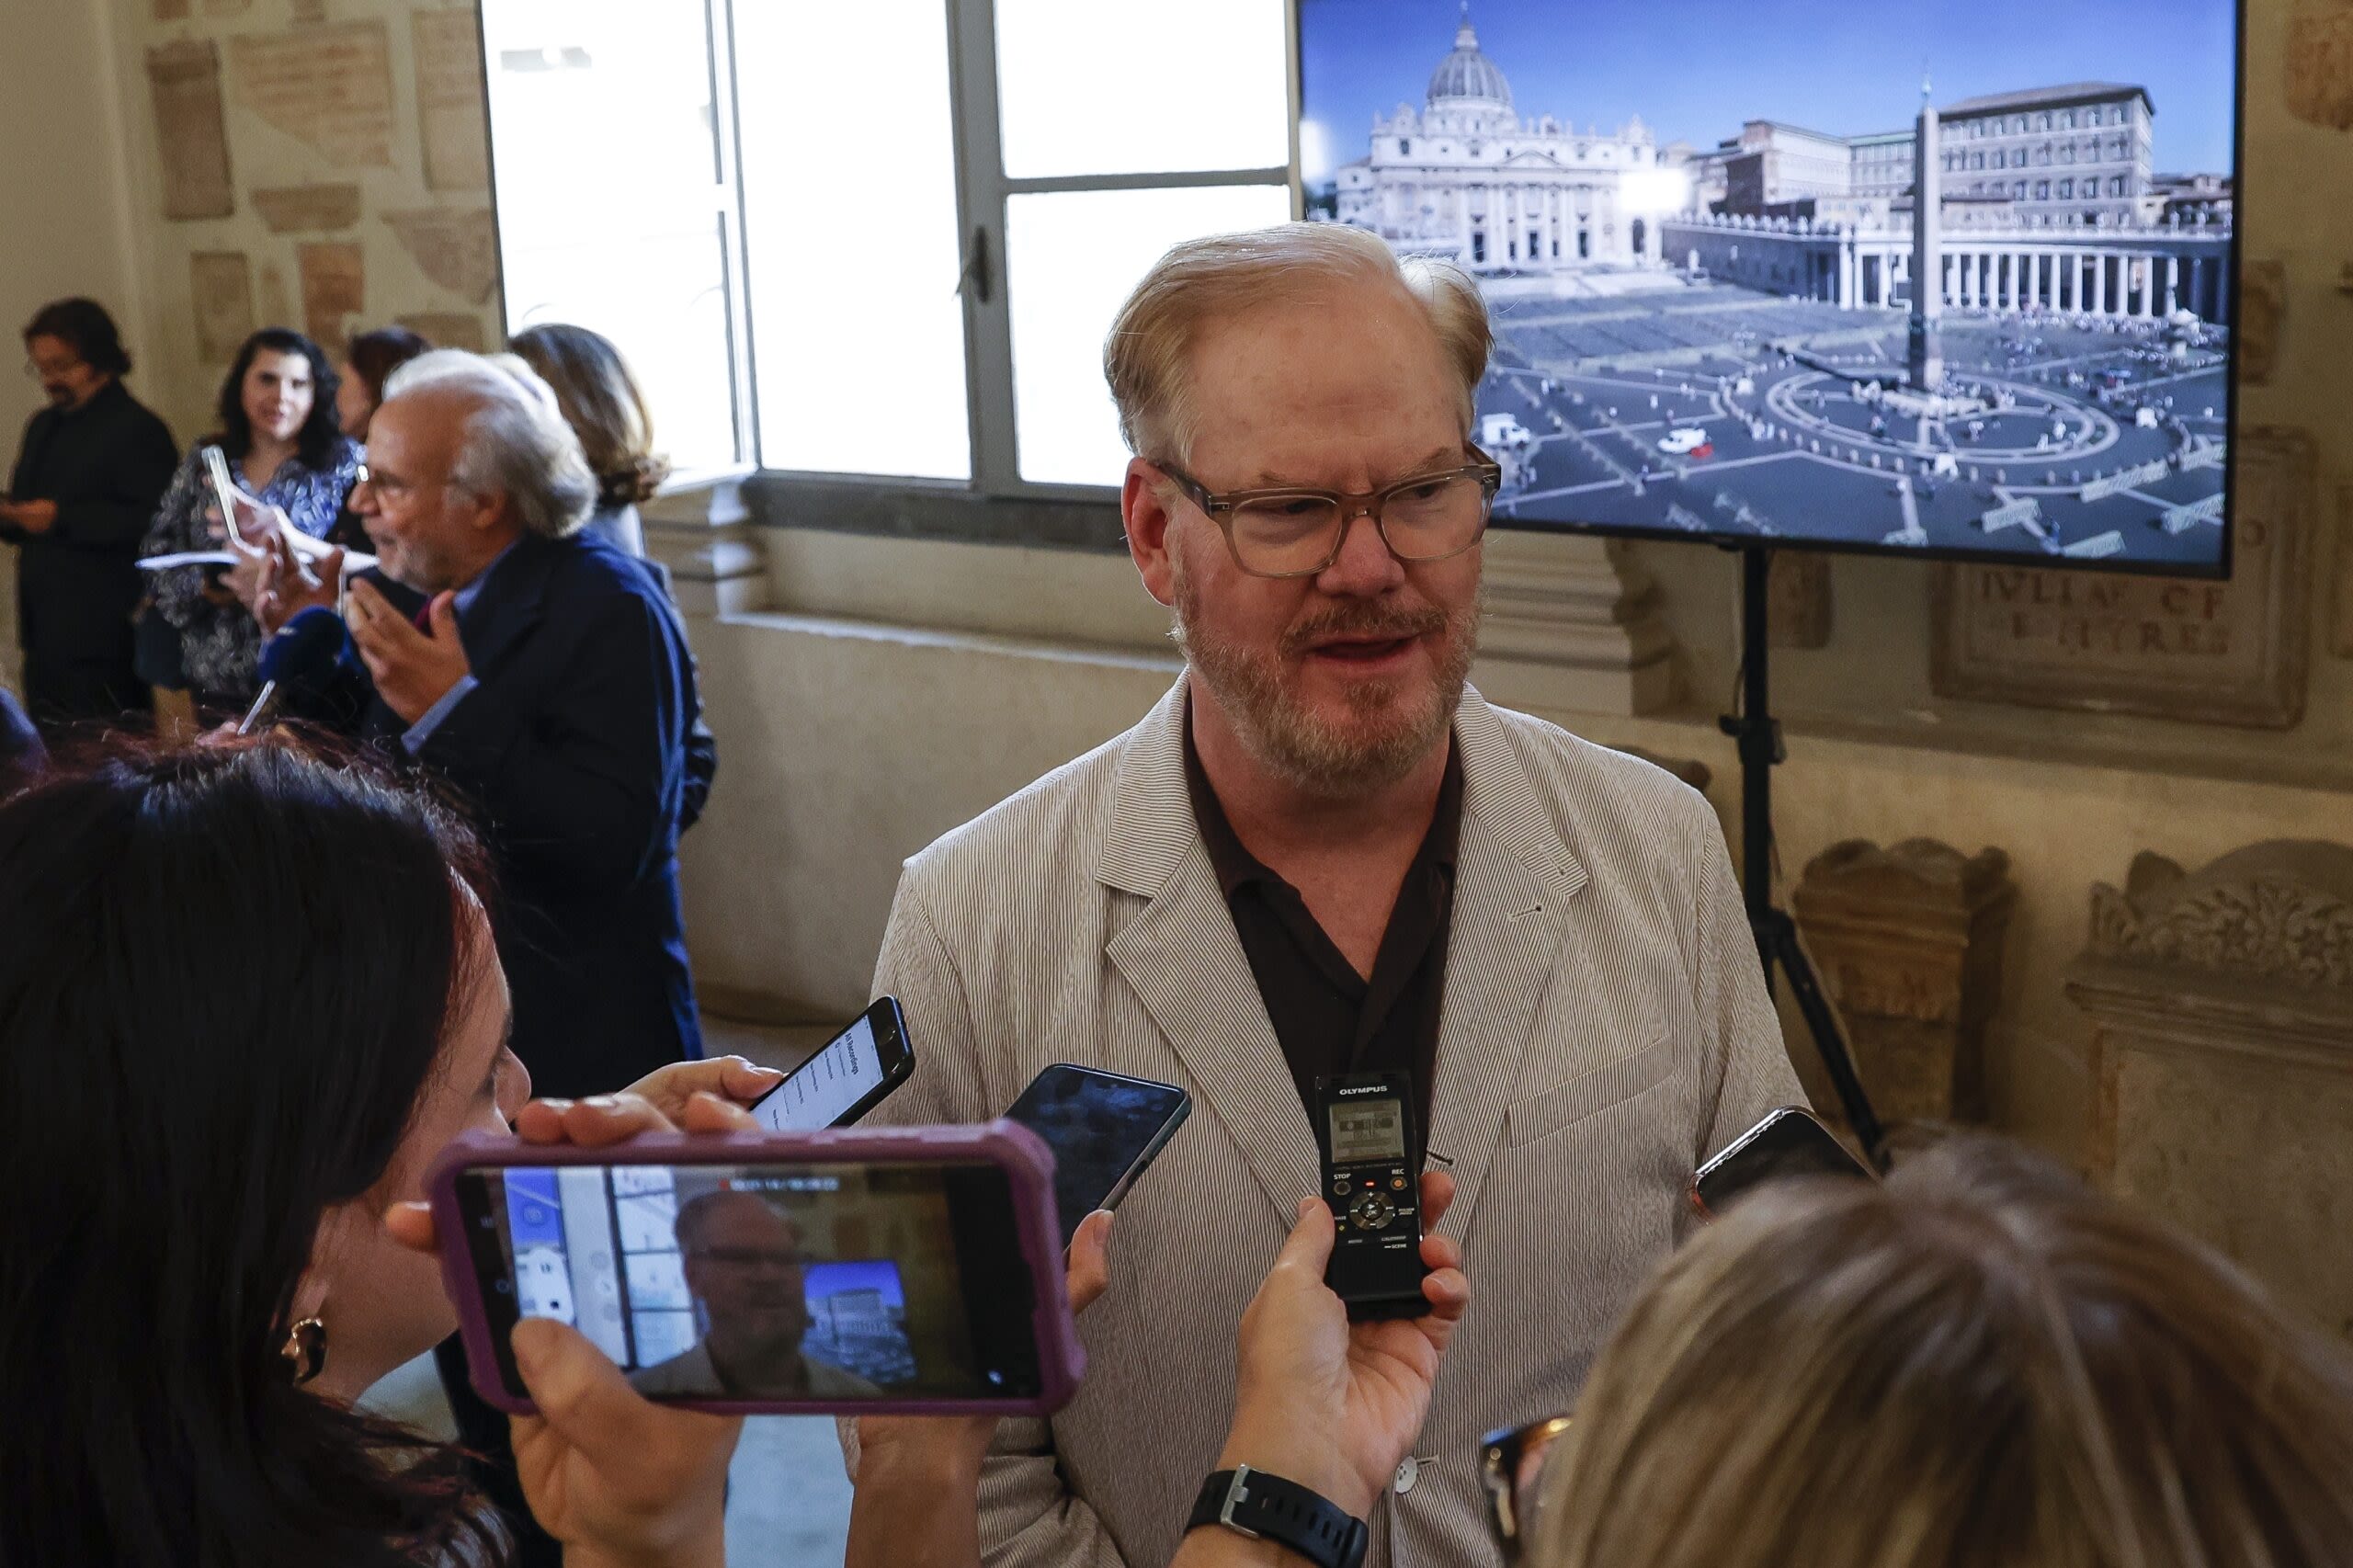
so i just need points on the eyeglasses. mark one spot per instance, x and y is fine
(34, 371)
(1511, 1466)
(1292, 531)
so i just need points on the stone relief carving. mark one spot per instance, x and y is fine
(2279, 911)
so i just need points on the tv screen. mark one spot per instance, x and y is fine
(1950, 280)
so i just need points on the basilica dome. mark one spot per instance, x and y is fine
(1467, 73)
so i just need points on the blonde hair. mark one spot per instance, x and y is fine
(602, 403)
(1145, 357)
(1983, 1365)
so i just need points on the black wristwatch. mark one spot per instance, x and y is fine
(1255, 1503)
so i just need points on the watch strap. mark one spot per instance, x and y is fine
(1253, 1503)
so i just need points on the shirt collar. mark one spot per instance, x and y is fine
(1236, 867)
(466, 596)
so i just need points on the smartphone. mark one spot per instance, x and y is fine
(907, 1270)
(1104, 1128)
(849, 1075)
(1791, 1142)
(216, 467)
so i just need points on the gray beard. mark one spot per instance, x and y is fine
(1316, 757)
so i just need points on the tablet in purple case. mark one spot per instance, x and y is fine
(901, 1271)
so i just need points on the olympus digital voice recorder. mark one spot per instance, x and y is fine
(1364, 1128)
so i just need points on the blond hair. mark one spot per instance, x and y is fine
(1145, 357)
(1983, 1365)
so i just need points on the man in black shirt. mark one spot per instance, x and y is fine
(93, 467)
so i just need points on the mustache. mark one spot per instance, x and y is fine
(1373, 622)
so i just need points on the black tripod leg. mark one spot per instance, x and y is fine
(1781, 933)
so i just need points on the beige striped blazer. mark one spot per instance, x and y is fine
(1604, 1027)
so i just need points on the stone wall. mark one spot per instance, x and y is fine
(314, 164)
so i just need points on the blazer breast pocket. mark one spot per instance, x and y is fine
(1613, 1083)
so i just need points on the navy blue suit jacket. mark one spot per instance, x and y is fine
(580, 755)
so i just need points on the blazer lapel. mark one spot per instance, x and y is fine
(1180, 956)
(508, 606)
(1513, 874)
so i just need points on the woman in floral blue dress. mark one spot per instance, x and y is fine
(280, 433)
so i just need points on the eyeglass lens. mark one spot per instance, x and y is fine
(1422, 522)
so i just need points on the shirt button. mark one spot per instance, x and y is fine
(1407, 1473)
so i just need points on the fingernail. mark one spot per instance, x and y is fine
(558, 1105)
(602, 1102)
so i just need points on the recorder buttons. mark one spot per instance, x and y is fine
(1340, 1186)
(1372, 1212)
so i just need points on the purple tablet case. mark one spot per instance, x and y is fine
(1024, 1157)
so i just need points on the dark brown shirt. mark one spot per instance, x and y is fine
(1329, 1019)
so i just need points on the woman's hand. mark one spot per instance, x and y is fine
(1330, 1404)
(917, 1498)
(616, 1478)
(667, 1089)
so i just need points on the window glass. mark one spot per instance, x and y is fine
(851, 225)
(610, 221)
(1142, 86)
(1071, 259)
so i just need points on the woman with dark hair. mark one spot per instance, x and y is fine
(600, 400)
(368, 360)
(216, 1122)
(280, 433)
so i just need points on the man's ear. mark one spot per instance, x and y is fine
(1143, 508)
(493, 512)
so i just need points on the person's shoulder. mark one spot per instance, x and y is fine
(1033, 836)
(1595, 790)
(688, 1372)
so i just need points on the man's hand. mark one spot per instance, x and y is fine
(413, 670)
(33, 516)
(289, 584)
(917, 1499)
(1327, 1403)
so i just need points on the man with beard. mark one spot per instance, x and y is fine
(743, 1262)
(1324, 853)
(92, 468)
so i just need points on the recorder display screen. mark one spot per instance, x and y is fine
(1364, 1131)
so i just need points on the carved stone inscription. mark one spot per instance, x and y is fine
(2319, 64)
(221, 287)
(449, 100)
(328, 86)
(334, 285)
(185, 80)
(2222, 653)
(456, 247)
(294, 208)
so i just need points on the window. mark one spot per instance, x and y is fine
(2066, 190)
(2116, 185)
(2018, 191)
(2066, 119)
(894, 251)
(2001, 159)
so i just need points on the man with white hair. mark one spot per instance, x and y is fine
(542, 673)
(1324, 854)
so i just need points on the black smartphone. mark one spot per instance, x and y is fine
(849, 1075)
(1104, 1128)
(1791, 1142)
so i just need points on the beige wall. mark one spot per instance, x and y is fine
(70, 227)
(274, 144)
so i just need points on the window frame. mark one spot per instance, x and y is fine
(984, 194)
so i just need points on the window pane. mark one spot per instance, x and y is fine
(608, 205)
(1070, 101)
(850, 201)
(1071, 259)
